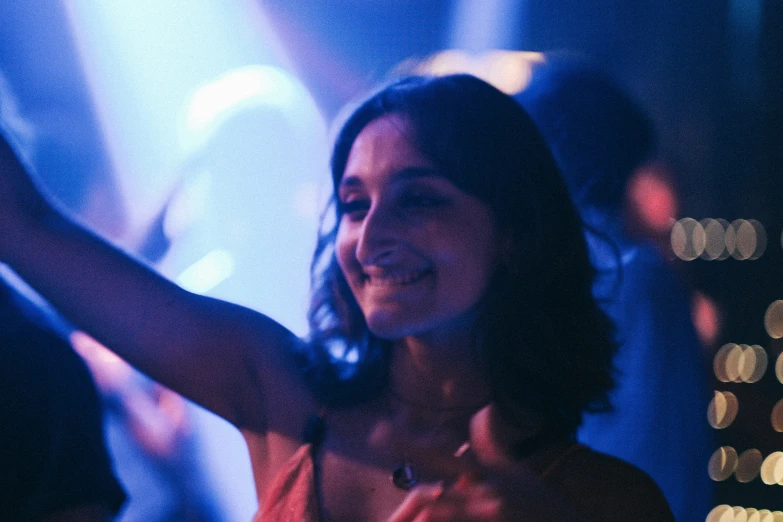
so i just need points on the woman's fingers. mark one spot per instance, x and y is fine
(420, 498)
(489, 439)
(468, 500)
(491, 484)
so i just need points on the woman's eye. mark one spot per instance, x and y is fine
(354, 209)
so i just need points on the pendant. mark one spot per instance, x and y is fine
(405, 476)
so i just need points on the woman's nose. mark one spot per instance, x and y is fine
(378, 237)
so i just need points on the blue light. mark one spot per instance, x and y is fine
(205, 124)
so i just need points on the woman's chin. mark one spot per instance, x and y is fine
(389, 326)
(386, 332)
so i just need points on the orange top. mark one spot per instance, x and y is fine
(292, 496)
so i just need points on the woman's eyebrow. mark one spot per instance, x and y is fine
(407, 173)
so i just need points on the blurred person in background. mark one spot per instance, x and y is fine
(600, 137)
(146, 428)
(149, 430)
(54, 466)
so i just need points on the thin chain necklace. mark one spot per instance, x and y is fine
(406, 475)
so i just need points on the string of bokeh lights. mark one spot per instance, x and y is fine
(726, 513)
(717, 239)
(742, 363)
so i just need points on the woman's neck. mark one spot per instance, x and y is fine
(437, 374)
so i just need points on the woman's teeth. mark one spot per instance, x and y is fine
(395, 279)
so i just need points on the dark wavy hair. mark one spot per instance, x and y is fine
(540, 339)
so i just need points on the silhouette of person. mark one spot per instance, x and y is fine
(55, 466)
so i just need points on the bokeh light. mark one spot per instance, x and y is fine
(509, 71)
(727, 513)
(719, 362)
(748, 465)
(772, 469)
(722, 513)
(653, 198)
(722, 410)
(776, 417)
(716, 239)
(773, 320)
(723, 463)
(740, 363)
(239, 88)
(706, 318)
(761, 239)
(754, 367)
(208, 272)
(779, 368)
(745, 239)
(688, 239)
(734, 362)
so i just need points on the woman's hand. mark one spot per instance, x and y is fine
(466, 500)
(491, 486)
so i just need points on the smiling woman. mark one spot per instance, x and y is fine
(450, 177)
(454, 340)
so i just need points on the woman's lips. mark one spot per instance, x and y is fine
(395, 278)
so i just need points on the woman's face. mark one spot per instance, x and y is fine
(417, 252)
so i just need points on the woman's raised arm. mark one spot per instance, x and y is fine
(211, 351)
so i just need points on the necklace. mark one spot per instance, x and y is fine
(406, 475)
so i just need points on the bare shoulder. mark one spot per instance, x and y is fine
(277, 397)
(607, 489)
